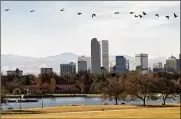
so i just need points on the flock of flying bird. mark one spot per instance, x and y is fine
(94, 15)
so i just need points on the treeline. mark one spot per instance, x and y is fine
(130, 85)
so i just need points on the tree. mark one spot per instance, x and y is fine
(178, 86)
(45, 77)
(113, 89)
(28, 79)
(3, 99)
(138, 85)
(166, 87)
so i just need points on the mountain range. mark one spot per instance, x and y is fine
(33, 65)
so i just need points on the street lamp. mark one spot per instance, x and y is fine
(20, 102)
(42, 102)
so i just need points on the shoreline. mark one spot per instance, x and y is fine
(55, 95)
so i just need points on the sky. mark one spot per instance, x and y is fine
(48, 31)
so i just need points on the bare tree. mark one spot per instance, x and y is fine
(114, 89)
(166, 87)
(138, 85)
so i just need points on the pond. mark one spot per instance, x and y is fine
(57, 101)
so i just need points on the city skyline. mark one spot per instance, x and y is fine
(23, 33)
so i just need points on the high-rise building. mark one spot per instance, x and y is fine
(82, 66)
(46, 70)
(111, 66)
(120, 64)
(87, 59)
(178, 65)
(95, 56)
(127, 64)
(16, 72)
(105, 55)
(171, 64)
(141, 61)
(157, 67)
(68, 68)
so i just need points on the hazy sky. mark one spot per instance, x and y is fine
(47, 31)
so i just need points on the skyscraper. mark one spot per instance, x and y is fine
(46, 70)
(120, 64)
(157, 67)
(88, 60)
(82, 66)
(66, 69)
(95, 56)
(127, 64)
(141, 61)
(105, 55)
(171, 64)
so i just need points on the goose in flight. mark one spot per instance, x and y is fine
(116, 13)
(6, 9)
(93, 15)
(175, 15)
(32, 10)
(135, 15)
(144, 13)
(157, 15)
(167, 17)
(79, 13)
(62, 9)
(140, 16)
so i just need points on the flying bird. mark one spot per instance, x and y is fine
(131, 12)
(79, 13)
(144, 13)
(93, 15)
(32, 10)
(62, 9)
(135, 15)
(6, 9)
(175, 15)
(157, 15)
(116, 13)
(140, 16)
(167, 17)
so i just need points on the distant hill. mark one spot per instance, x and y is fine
(33, 65)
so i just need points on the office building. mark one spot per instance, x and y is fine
(46, 70)
(82, 66)
(105, 55)
(16, 72)
(127, 64)
(87, 59)
(157, 67)
(120, 64)
(95, 56)
(141, 61)
(66, 69)
(171, 64)
(178, 65)
(111, 66)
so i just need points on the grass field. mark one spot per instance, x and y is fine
(110, 111)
